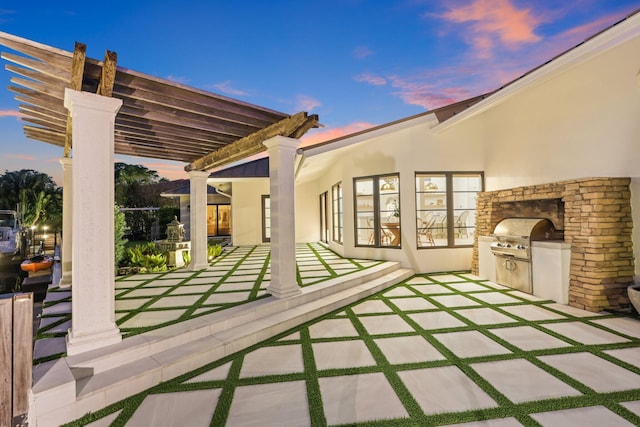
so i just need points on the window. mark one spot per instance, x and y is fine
(218, 220)
(336, 204)
(377, 211)
(446, 208)
(266, 218)
(324, 214)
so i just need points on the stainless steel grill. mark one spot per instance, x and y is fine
(511, 247)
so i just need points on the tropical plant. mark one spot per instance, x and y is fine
(135, 187)
(34, 194)
(120, 241)
(213, 250)
(186, 257)
(146, 257)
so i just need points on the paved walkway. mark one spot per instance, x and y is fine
(439, 349)
(145, 302)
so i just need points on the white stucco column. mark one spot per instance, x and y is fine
(67, 226)
(93, 276)
(198, 220)
(282, 152)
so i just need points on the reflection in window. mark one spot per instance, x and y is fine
(266, 218)
(446, 208)
(324, 214)
(336, 206)
(377, 211)
(219, 220)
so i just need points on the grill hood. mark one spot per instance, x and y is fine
(528, 228)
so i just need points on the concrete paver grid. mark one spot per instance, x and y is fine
(443, 362)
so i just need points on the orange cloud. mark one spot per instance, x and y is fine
(372, 79)
(20, 157)
(362, 52)
(10, 113)
(553, 46)
(306, 103)
(177, 79)
(170, 171)
(419, 91)
(487, 67)
(576, 35)
(226, 88)
(316, 136)
(495, 21)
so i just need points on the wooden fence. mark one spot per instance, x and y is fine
(16, 356)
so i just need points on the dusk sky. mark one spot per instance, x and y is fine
(355, 63)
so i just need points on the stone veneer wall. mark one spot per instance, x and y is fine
(597, 223)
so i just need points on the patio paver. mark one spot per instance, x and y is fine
(390, 360)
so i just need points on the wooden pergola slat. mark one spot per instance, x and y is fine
(158, 118)
(42, 52)
(50, 135)
(47, 124)
(55, 91)
(41, 112)
(61, 74)
(160, 101)
(174, 133)
(52, 106)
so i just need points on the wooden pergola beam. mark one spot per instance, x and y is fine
(312, 121)
(77, 74)
(108, 74)
(250, 144)
(158, 118)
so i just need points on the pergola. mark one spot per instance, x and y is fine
(94, 109)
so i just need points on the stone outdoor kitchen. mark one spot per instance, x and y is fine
(595, 215)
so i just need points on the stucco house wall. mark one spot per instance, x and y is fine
(246, 205)
(407, 148)
(582, 121)
(307, 212)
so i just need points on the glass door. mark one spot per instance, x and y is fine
(219, 220)
(324, 214)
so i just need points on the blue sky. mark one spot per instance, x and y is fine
(355, 63)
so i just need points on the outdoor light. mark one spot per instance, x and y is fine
(431, 186)
(428, 185)
(388, 186)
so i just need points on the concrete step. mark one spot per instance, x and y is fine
(66, 389)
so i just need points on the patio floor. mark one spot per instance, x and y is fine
(436, 349)
(144, 302)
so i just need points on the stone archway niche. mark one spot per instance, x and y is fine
(595, 214)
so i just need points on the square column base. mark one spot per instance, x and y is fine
(283, 293)
(197, 267)
(65, 280)
(77, 344)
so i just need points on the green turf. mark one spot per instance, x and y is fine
(416, 417)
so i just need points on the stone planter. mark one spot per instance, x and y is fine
(633, 292)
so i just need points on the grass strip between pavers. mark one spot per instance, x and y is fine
(520, 411)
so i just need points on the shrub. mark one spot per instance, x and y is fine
(213, 250)
(119, 229)
(147, 258)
